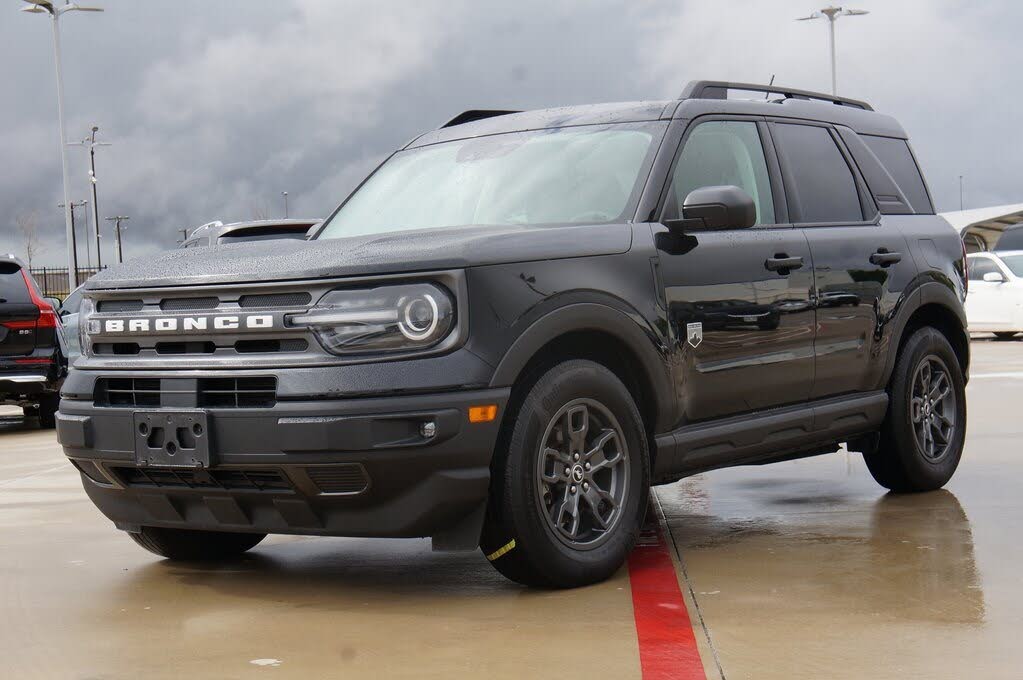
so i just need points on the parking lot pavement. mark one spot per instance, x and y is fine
(798, 570)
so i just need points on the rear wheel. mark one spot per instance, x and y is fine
(570, 480)
(193, 546)
(922, 438)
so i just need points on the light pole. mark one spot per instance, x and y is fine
(74, 237)
(47, 7)
(117, 234)
(832, 13)
(91, 142)
(285, 194)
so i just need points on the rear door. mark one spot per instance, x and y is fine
(18, 313)
(860, 265)
(744, 320)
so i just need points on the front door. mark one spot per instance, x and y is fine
(739, 300)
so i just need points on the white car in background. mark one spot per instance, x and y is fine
(995, 301)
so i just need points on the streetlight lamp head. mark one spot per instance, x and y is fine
(95, 128)
(34, 9)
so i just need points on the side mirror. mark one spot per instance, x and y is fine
(54, 302)
(994, 277)
(718, 207)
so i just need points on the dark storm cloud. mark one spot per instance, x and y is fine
(215, 108)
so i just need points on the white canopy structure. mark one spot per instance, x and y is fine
(982, 227)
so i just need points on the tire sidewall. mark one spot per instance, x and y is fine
(921, 471)
(559, 386)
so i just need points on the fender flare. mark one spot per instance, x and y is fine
(927, 293)
(588, 316)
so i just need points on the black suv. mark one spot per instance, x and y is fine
(31, 360)
(521, 321)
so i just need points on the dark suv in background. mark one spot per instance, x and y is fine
(31, 360)
(521, 321)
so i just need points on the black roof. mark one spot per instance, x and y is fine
(698, 98)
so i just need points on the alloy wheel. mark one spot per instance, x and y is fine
(933, 408)
(582, 474)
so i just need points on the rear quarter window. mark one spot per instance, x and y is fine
(897, 159)
(12, 285)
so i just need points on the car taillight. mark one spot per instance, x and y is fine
(48, 317)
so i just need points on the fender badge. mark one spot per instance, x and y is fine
(694, 334)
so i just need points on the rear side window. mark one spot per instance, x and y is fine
(1011, 239)
(824, 185)
(12, 285)
(897, 159)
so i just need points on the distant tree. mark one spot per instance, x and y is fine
(28, 226)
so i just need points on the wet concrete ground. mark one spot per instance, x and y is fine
(797, 570)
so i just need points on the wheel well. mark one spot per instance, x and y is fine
(604, 349)
(947, 323)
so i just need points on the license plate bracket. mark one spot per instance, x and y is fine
(176, 439)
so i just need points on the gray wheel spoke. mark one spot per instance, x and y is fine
(577, 423)
(568, 513)
(554, 465)
(594, 496)
(917, 409)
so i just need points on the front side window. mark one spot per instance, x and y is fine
(572, 175)
(980, 266)
(722, 153)
(825, 186)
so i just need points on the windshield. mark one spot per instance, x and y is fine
(574, 175)
(1014, 263)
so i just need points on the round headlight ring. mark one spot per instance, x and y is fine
(413, 329)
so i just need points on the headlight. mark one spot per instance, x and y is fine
(385, 319)
(85, 326)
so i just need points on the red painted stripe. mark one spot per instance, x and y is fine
(667, 642)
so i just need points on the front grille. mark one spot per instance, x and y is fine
(237, 392)
(275, 300)
(128, 392)
(185, 348)
(106, 348)
(244, 392)
(227, 480)
(345, 478)
(115, 306)
(190, 304)
(271, 346)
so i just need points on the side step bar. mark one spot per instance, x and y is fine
(752, 437)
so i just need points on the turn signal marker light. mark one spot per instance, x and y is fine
(482, 414)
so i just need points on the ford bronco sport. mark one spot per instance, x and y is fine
(520, 322)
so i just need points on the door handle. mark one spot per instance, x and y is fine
(783, 263)
(885, 259)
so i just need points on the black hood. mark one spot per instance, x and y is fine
(422, 250)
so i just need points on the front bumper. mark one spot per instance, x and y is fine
(340, 467)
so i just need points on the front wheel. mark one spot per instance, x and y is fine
(922, 438)
(570, 480)
(195, 546)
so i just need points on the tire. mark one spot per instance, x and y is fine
(195, 546)
(903, 461)
(1005, 335)
(521, 536)
(47, 411)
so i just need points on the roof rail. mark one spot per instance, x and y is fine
(718, 89)
(475, 114)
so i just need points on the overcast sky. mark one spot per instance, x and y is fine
(215, 108)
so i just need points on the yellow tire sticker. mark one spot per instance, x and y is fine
(502, 550)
